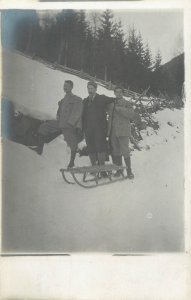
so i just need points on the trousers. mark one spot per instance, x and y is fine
(70, 134)
(119, 145)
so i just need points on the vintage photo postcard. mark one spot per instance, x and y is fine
(93, 131)
(95, 141)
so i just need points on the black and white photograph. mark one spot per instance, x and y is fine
(93, 131)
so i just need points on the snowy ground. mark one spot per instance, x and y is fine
(41, 213)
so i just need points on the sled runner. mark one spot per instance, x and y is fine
(80, 175)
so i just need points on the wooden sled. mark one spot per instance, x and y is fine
(80, 175)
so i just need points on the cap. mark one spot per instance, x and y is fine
(92, 83)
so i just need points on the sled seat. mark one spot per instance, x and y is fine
(96, 169)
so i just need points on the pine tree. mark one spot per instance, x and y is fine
(89, 64)
(119, 47)
(25, 31)
(48, 40)
(94, 23)
(92, 40)
(66, 25)
(63, 38)
(134, 60)
(118, 36)
(140, 48)
(132, 41)
(159, 80)
(105, 43)
(158, 60)
(106, 27)
(81, 36)
(147, 57)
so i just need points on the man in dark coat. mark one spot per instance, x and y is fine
(94, 123)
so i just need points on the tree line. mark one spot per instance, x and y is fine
(95, 43)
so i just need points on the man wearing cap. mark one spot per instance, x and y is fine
(68, 122)
(94, 123)
(121, 113)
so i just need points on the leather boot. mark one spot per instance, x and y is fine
(117, 160)
(93, 158)
(41, 142)
(72, 158)
(130, 175)
(101, 161)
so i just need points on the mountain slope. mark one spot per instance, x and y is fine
(169, 77)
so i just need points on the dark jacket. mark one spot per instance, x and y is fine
(94, 113)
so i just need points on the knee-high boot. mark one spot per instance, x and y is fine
(93, 158)
(41, 142)
(72, 158)
(101, 158)
(101, 162)
(117, 160)
(128, 165)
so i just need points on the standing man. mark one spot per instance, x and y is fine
(120, 113)
(95, 124)
(68, 122)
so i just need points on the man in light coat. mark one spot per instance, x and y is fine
(68, 122)
(120, 113)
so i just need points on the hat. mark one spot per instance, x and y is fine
(92, 83)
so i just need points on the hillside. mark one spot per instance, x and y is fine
(170, 77)
(36, 89)
(41, 213)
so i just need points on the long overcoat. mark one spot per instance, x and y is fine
(94, 122)
(99, 119)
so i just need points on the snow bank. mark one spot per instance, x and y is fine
(141, 215)
(41, 213)
(35, 88)
(171, 124)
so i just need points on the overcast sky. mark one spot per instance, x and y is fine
(162, 29)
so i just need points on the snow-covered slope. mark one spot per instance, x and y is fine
(41, 213)
(37, 88)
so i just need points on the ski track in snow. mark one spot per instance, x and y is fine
(41, 213)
